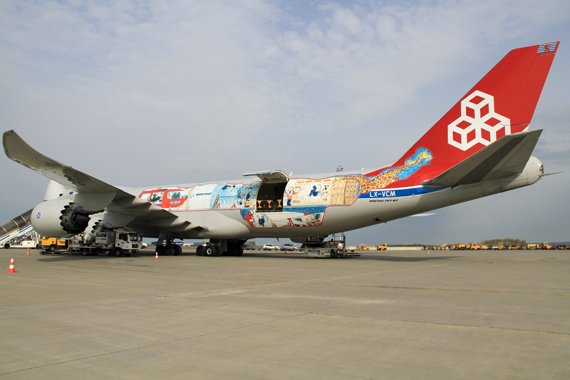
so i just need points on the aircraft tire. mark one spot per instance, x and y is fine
(177, 250)
(200, 250)
(210, 250)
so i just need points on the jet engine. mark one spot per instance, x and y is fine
(60, 218)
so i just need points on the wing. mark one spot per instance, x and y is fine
(93, 194)
(504, 157)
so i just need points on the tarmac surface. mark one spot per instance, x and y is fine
(385, 315)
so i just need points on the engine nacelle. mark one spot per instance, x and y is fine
(59, 218)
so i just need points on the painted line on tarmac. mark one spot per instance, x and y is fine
(318, 283)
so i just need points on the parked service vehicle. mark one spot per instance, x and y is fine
(22, 242)
(289, 247)
(28, 238)
(113, 243)
(270, 247)
(321, 249)
(52, 245)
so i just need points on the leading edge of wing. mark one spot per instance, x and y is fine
(93, 194)
(19, 151)
(504, 157)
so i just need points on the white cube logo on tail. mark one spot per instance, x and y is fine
(478, 123)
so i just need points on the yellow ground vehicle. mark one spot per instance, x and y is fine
(545, 245)
(53, 244)
(533, 246)
(473, 246)
(382, 247)
(487, 247)
(502, 246)
(461, 246)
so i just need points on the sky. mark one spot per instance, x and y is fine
(146, 93)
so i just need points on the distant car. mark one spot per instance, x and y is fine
(289, 247)
(249, 245)
(270, 247)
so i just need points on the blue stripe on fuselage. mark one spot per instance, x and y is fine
(398, 193)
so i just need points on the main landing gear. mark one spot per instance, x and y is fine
(169, 250)
(219, 247)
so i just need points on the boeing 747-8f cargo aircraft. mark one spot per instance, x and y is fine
(482, 146)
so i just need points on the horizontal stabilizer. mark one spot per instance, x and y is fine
(504, 157)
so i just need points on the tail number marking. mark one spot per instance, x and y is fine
(382, 194)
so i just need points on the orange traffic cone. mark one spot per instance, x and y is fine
(156, 258)
(11, 269)
(428, 251)
(28, 252)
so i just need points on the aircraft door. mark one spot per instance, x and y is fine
(271, 191)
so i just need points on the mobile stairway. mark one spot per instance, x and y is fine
(16, 230)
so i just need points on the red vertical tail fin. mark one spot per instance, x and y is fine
(502, 103)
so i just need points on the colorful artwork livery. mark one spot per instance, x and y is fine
(304, 200)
